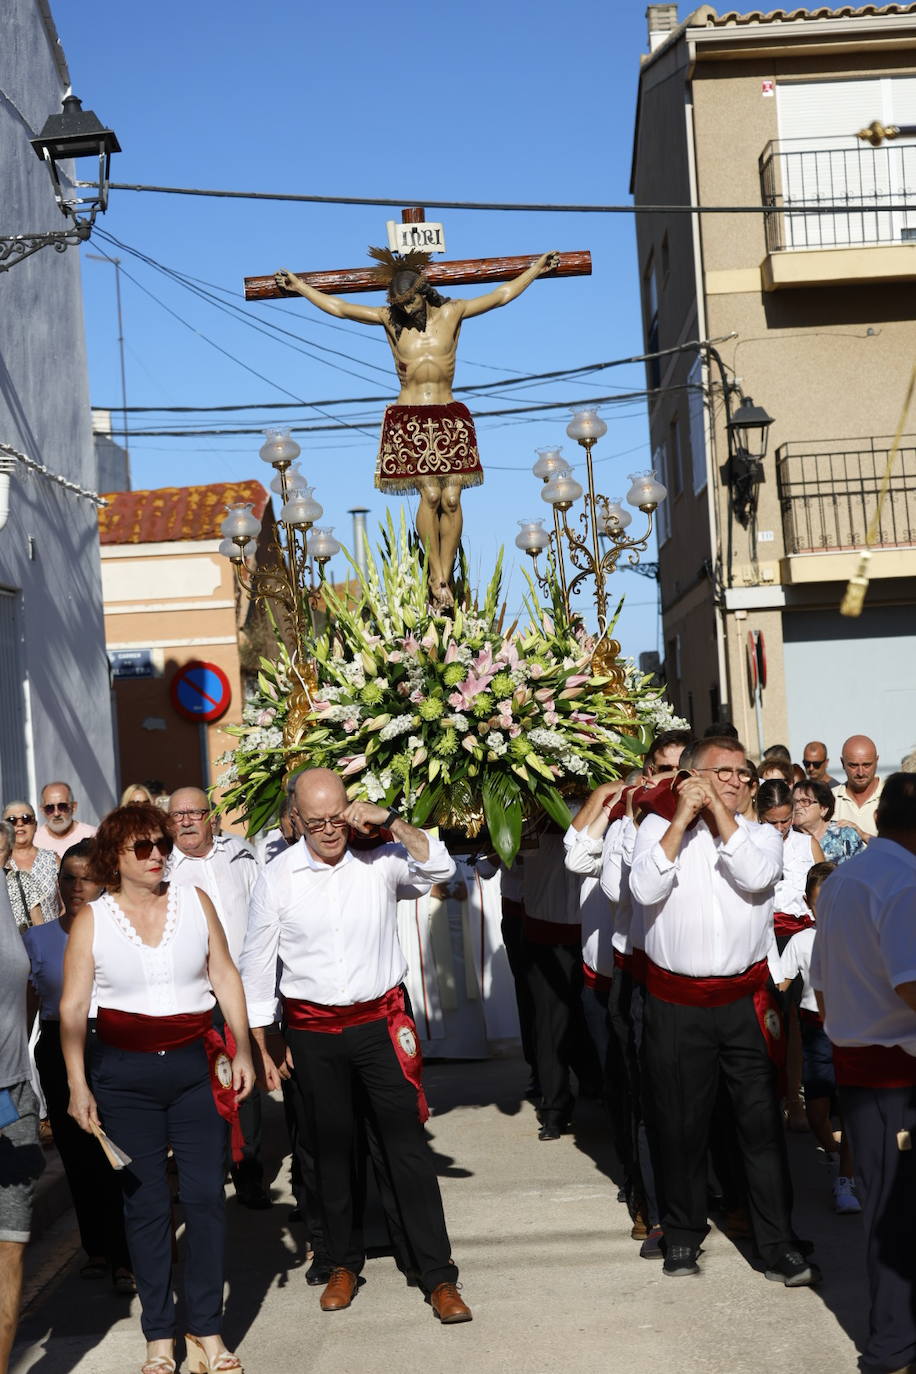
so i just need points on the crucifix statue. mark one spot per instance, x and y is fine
(428, 443)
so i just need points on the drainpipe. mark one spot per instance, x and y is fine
(360, 537)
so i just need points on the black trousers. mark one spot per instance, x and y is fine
(147, 1102)
(685, 1051)
(339, 1073)
(93, 1183)
(562, 1041)
(517, 953)
(886, 1176)
(635, 1114)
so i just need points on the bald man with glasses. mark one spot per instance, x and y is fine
(325, 914)
(815, 761)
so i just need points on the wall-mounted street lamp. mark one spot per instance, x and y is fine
(74, 133)
(747, 429)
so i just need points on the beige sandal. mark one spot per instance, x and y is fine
(225, 1362)
(158, 1364)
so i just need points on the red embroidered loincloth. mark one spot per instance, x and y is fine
(427, 441)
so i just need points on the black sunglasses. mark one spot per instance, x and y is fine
(144, 848)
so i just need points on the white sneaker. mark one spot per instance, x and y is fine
(845, 1201)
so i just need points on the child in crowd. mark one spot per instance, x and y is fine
(817, 1052)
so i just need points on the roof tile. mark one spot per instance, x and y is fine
(174, 513)
(733, 17)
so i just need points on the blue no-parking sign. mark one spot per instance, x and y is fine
(200, 691)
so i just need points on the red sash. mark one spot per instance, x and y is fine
(874, 1066)
(785, 924)
(598, 982)
(130, 1030)
(315, 1016)
(721, 992)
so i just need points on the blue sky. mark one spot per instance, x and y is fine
(496, 102)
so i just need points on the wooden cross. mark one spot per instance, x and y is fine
(348, 280)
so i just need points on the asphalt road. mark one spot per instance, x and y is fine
(547, 1263)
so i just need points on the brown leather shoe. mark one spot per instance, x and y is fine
(448, 1304)
(340, 1292)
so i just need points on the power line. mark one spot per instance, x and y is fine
(430, 202)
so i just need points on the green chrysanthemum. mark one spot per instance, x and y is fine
(453, 674)
(371, 694)
(482, 705)
(501, 686)
(447, 743)
(431, 709)
(520, 747)
(400, 765)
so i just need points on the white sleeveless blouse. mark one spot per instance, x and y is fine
(166, 980)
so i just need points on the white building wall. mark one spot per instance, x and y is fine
(49, 547)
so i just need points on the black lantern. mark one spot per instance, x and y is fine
(76, 133)
(748, 428)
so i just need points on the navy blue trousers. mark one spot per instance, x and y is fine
(147, 1102)
(886, 1175)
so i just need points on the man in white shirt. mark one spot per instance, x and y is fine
(328, 914)
(61, 828)
(703, 883)
(857, 798)
(863, 969)
(225, 868)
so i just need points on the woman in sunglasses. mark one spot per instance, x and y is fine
(157, 958)
(31, 871)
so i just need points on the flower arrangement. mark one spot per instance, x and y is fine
(443, 714)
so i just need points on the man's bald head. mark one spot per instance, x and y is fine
(860, 760)
(320, 796)
(189, 821)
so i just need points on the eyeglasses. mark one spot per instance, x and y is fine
(50, 807)
(20, 820)
(192, 814)
(723, 774)
(144, 848)
(814, 763)
(805, 801)
(335, 822)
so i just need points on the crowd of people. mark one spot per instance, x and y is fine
(717, 950)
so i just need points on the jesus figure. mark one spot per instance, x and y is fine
(428, 442)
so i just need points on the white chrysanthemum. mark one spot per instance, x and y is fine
(496, 742)
(397, 726)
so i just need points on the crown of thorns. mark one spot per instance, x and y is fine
(391, 264)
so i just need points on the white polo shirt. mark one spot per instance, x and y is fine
(866, 947)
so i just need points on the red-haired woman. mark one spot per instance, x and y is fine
(156, 955)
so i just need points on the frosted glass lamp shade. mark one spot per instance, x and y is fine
(646, 492)
(561, 492)
(322, 545)
(532, 537)
(295, 480)
(230, 549)
(586, 424)
(301, 510)
(279, 447)
(240, 522)
(550, 463)
(615, 517)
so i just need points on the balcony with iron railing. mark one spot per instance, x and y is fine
(829, 492)
(859, 211)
